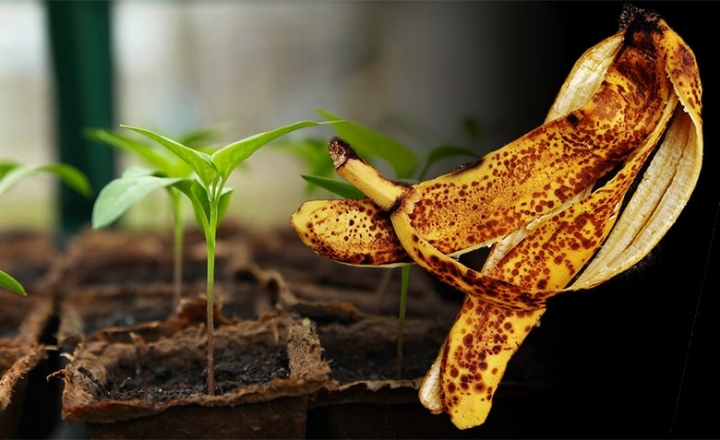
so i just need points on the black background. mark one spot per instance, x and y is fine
(637, 353)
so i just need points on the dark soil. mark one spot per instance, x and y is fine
(172, 364)
(156, 379)
(367, 349)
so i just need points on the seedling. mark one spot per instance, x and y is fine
(11, 173)
(206, 190)
(404, 162)
(136, 183)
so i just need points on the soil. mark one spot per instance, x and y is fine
(367, 349)
(164, 366)
(357, 328)
(155, 378)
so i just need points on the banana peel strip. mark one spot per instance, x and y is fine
(538, 255)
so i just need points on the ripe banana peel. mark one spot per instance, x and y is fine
(551, 204)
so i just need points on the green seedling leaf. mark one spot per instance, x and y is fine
(444, 152)
(368, 142)
(6, 166)
(159, 158)
(343, 189)
(201, 163)
(68, 174)
(120, 194)
(229, 157)
(10, 283)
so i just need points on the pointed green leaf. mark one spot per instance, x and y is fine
(68, 174)
(120, 194)
(443, 152)
(343, 189)
(10, 283)
(200, 162)
(368, 142)
(229, 157)
(159, 158)
(6, 166)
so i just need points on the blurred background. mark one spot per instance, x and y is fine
(413, 70)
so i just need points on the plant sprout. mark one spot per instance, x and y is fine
(136, 183)
(11, 173)
(207, 192)
(371, 144)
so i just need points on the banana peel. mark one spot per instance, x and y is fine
(552, 204)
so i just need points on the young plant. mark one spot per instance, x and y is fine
(11, 173)
(136, 183)
(374, 145)
(207, 192)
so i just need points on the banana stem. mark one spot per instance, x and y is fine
(385, 193)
